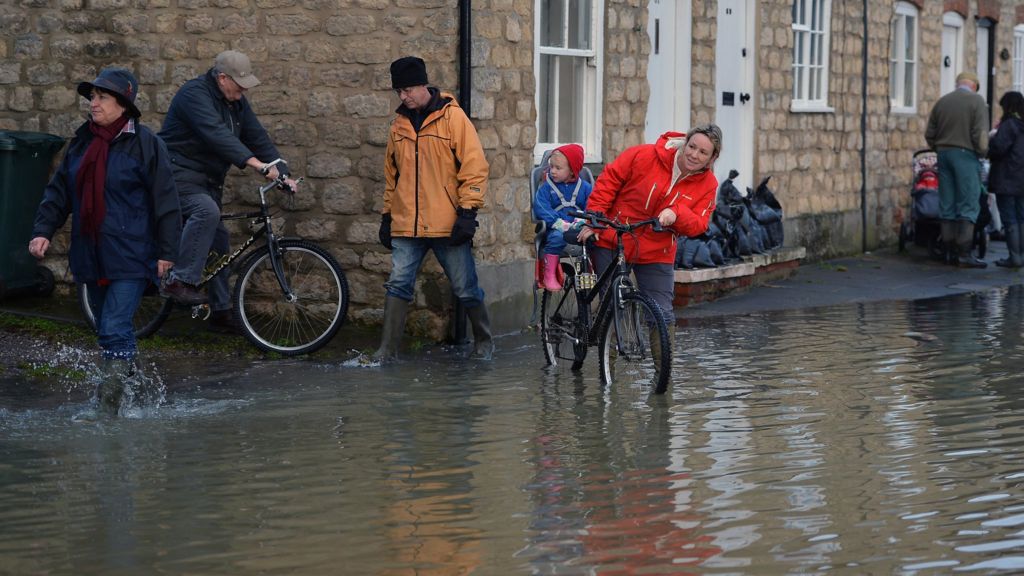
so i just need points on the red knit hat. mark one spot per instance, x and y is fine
(574, 154)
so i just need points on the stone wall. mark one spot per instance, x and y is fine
(626, 92)
(325, 99)
(814, 158)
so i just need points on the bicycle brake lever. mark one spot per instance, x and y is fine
(287, 188)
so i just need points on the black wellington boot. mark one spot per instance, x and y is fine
(1012, 236)
(965, 245)
(395, 310)
(483, 344)
(110, 391)
(947, 235)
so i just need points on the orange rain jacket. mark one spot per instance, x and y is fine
(431, 173)
(638, 185)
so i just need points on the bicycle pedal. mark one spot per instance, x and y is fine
(201, 312)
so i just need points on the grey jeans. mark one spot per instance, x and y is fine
(655, 280)
(202, 232)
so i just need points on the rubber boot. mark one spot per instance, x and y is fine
(483, 345)
(110, 390)
(551, 265)
(395, 310)
(965, 245)
(1011, 234)
(947, 234)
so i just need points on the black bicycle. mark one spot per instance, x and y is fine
(290, 297)
(628, 326)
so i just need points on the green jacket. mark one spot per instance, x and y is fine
(959, 120)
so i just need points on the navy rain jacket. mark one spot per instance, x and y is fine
(206, 134)
(143, 219)
(1006, 150)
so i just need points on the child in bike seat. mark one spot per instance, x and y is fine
(562, 191)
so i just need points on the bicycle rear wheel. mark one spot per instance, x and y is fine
(635, 348)
(152, 312)
(562, 330)
(303, 324)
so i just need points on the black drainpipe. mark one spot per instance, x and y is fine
(465, 54)
(459, 335)
(864, 136)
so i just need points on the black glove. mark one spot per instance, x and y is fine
(384, 234)
(464, 227)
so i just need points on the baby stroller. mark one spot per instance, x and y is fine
(923, 228)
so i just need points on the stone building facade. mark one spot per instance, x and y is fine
(326, 102)
(832, 205)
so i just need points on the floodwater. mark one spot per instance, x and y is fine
(879, 438)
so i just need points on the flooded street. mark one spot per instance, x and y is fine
(882, 438)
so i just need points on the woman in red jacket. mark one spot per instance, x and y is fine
(671, 180)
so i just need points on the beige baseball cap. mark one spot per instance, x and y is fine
(238, 67)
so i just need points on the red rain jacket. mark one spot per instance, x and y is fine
(638, 185)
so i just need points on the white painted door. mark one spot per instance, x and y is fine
(668, 68)
(952, 51)
(735, 55)
(984, 62)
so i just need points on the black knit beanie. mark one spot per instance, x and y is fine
(408, 71)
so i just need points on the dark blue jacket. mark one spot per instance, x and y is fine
(143, 219)
(1006, 150)
(206, 134)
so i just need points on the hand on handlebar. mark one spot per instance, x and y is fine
(667, 217)
(289, 185)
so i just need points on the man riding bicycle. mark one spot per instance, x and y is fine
(209, 127)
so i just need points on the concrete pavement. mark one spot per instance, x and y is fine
(877, 276)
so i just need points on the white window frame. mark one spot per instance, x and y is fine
(592, 97)
(810, 78)
(1018, 58)
(898, 65)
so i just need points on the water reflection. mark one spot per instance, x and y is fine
(876, 438)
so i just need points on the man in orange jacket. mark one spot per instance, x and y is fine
(435, 181)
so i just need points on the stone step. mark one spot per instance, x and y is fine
(706, 284)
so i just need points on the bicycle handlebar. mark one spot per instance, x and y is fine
(281, 182)
(597, 222)
(266, 167)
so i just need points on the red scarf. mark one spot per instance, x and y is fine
(92, 175)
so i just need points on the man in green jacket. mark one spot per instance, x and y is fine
(958, 131)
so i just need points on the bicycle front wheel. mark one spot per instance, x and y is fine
(151, 314)
(562, 329)
(299, 324)
(635, 348)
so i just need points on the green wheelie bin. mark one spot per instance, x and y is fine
(25, 161)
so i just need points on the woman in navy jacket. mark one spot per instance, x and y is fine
(115, 182)
(1006, 178)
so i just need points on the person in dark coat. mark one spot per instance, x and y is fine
(210, 127)
(1006, 178)
(115, 183)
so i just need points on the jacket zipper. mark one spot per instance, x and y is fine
(650, 194)
(416, 218)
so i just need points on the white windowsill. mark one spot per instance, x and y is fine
(903, 110)
(811, 108)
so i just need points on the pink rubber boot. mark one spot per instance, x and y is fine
(550, 275)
